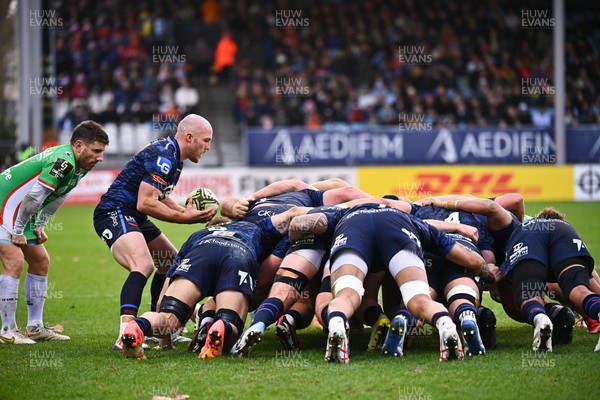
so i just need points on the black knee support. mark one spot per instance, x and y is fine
(177, 307)
(232, 317)
(464, 296)
(298, 282)
(325, 285)
(573, 277)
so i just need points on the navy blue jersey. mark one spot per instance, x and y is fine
(260, 238)
(302, 198)
(269, 206)
(440, 272)
(501, 237)
(485, 242)
(548, 241)
(157, 164)
(378, 233)
(321, 241)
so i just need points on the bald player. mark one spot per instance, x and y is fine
(140, 190)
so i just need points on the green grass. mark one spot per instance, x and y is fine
(83, 296)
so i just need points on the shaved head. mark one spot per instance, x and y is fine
(194, 124)
(194, 135)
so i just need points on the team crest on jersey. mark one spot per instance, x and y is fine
(184, 266)
(340, 240)
(518, 251)
(60, 169)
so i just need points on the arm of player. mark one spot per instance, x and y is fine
(331, 183)
(471, 260)
(31, 204)
(44, 216)
(447, 197)
(302, 225)
(281, 222)
(234, 207)
(149, 204)
(399, 204)
(498, 217)
(452, 227)
(280, 187)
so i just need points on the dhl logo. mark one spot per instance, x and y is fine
(478, 184)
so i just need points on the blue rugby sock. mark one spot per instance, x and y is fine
(144, 324)
(591, 306)
(465, 310)
(531, 309)
(268, 312)
(156, 286)
(131, 293)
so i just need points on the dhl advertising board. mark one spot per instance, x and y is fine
(535, 183)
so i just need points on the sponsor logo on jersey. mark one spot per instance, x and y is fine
(518, 251)
(113, 216)
(184, 266)
(266, 213)
(245, 278)
(60, 169)
(158, 179)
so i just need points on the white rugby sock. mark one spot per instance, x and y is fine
(36, 288)
(443, 321)
(125, 319)
(9, 292)
(336, 323)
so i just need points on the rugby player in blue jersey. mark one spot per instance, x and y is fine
(268, 201)
(373, 239)
(220, 261)
(457, 287)
(548, 249)
(502, 224)
(142, 189)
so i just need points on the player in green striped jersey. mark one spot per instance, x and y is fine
(30, 193)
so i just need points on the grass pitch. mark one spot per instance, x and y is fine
(83, 296)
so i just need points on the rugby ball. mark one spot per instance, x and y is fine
(203, 199)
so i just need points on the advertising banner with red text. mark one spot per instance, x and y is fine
(535, 183)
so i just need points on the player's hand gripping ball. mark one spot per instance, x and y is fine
(203, 199)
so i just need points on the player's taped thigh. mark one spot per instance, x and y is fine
(171, 305)
(313, 256)
(349, 257)
(570, 278)
(297, 282)
(404, 259)
(462, 292)
(230, 316)
(411, 289)
(348, 282)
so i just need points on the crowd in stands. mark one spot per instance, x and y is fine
(321, 62)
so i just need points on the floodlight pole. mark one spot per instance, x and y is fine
(29, 43)
(558, 36)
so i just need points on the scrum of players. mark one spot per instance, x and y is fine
(294, 252)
